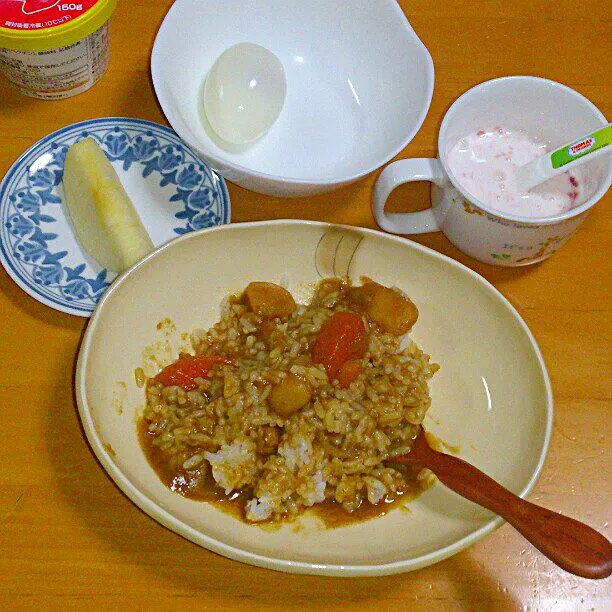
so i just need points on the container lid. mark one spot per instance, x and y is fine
(40, 25)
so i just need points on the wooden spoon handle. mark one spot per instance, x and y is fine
(573, 546)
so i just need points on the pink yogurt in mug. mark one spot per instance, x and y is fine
(483, 164)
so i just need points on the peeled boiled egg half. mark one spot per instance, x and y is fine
(244, 93)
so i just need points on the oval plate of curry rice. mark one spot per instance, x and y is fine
(491, 400)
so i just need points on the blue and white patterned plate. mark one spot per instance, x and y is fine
(173, 191)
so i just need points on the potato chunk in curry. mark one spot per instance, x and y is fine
(269, 300)
(291, 394)
(393, 312)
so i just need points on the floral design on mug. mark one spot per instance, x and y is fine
(553, 242)
(471, 210)
(504, 256)
(549, 246)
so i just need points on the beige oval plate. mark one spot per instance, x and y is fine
(491, 397)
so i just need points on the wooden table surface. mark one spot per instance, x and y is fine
(70, 539)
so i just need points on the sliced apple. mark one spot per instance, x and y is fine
(105, 220)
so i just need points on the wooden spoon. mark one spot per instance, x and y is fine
(573, 546)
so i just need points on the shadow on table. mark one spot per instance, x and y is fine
(14, 102)
(24, 302)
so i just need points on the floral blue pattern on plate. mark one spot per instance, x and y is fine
(173, 191)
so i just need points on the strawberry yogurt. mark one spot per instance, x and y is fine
(52, 49)
(483, 162)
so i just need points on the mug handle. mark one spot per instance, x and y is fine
(398, 173)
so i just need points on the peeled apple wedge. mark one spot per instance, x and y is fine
(106, 223)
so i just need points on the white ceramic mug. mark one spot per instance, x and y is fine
(549, 110)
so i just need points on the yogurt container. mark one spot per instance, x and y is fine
(51, 49)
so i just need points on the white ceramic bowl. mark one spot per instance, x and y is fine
(359, 84)
(491, 396)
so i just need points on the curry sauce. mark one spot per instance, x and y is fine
(199, 485)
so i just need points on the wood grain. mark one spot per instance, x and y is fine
(69, 539)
